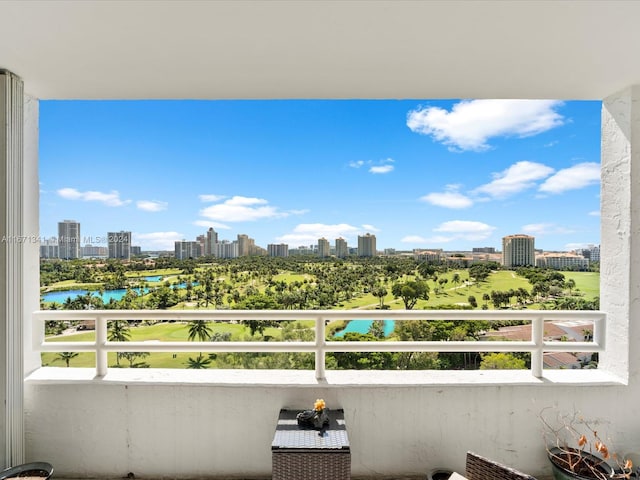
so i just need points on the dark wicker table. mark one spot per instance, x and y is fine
(306, 454)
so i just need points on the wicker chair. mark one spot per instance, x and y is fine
(480, 468)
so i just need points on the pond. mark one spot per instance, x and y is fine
(362, 326)
(107, 295)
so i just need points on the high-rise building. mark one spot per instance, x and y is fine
(367, 245)
(210, 243)
(226, 249)
(69, 239)
(278, 250)
(49, 248)
(246, 245)
(119, 245)
(342, 250)
(324, 248)
(518, 251)
(91, 251)
(185, 250)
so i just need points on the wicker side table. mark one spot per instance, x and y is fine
(306, 454)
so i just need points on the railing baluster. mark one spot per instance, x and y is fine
(102, 362)
(320, 347)
(536, 345)
(537, 355)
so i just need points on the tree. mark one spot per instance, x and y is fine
(118, 331)
(380, 292)
(199, 362)
(67, 356)
(501, 361)
(411, 291)
(133, 356)
(472, 301)
(377, 329)
(199, 329)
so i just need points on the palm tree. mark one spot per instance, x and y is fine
(67, 356)
(199, 329)
(202, 331)
(118, 331)
(199, 362)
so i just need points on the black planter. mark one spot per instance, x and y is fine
(560, 472)
(35, 469)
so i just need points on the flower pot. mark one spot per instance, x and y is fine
(439, 474)
(561, 471)
(41, 470)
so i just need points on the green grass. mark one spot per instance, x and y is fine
(587, 284)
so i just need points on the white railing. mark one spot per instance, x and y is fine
(536, 345)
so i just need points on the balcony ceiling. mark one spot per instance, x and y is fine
(311, 49)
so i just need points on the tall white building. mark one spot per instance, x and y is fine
(367, 245)
(69, 239)
(226, 249)
(342, 250)
(278, 250)
(324, 248)
(210, 243)
(185, 250)
(119, 245)
(49, 248)
(518, 251)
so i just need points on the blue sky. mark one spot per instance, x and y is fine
(416, 173)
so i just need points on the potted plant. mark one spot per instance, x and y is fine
(577, 452)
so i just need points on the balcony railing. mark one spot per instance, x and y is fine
(536, 345)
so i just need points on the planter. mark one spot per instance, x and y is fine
(37, 470)
(560, 466)
(439, 474)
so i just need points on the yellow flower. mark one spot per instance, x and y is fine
(319, 405)
(628, 465)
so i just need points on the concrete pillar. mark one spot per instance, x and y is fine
(11, 314)
(620, 232)
(19, 258)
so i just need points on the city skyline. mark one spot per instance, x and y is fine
(415, 173)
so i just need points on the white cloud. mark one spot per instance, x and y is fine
(413, 239)
(111, 199)
(449, 199)
(577, 246)
(466, 230)
(151, 205)
(572, 178)
(471, 123)
(211, 198)
(426, 242)
(215, 225)
(243, 209)
(370, 228)
(309, 233)
(595, 213)
(156, 240)
(518, 177)
(375, 166)
(381, 169)
(541, 229)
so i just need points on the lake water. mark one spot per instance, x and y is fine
(61, 297)
(362, 326)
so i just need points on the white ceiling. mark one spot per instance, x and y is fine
(321, 49)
